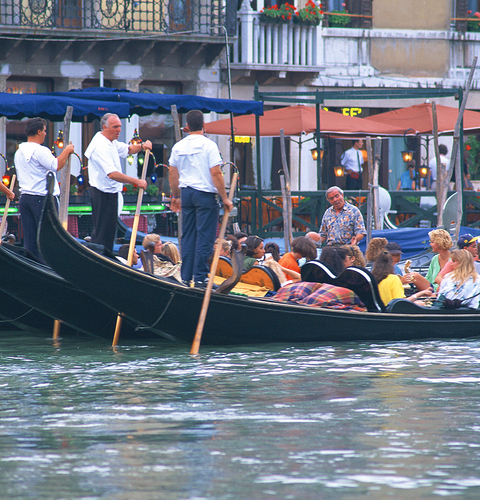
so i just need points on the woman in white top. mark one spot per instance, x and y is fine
(463, 283)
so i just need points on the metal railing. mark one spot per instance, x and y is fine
(173, 16)
(262, 214)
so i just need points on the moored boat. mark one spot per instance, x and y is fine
(43, 292)
(172, 309)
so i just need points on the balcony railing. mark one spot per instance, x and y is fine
(175, 16)
(284, 44)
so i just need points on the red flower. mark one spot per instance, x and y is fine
(468, 147)
(469, 12)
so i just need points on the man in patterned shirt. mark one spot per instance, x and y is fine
(342, 223)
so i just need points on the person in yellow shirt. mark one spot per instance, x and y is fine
(389, 284)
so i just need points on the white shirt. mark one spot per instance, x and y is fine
(32, 163)
(352, 160)
(469, 290)
(194, 156)
(432, 165)
(104, 158)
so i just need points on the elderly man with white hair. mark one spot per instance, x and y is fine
(342, 223)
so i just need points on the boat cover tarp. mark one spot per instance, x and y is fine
(18, 106)
(143, 103)
(413, 240)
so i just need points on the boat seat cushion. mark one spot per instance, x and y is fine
(320, 295)
(404, 306)
(334, 297)
(295, 292)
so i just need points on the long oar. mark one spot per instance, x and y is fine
(213, 270)
(133, 238)
(5, 212)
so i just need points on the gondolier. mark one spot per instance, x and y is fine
(32, 163)
(106, 177)
(195, 179)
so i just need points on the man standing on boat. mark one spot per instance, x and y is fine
(352, 160)
(32, 163)
(106, 177)
(342, 223)
(195, 179)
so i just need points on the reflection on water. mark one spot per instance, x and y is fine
(345, 421)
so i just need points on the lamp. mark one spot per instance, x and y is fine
(365, 155)
(339, 170)
(423, 171)
(314, 153)
(6, 177)
(407, 156)
(130, 159)
(59, 142)
(153, 178)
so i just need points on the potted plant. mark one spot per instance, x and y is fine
(278, 14)
(473, 21)
(310, 14)
(341, 21)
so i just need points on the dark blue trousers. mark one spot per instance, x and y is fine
(200, 221)
(31, 210)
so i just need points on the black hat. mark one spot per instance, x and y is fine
(393, 248)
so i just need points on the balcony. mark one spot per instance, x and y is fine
(102, 31)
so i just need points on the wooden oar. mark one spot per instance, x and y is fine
(5, 212)
(213, 270)
(133, 238)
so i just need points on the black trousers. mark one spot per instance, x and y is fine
(104, 215)
(31, 210)
(353, 184)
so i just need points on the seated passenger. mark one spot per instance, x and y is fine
(153, 239)
(255, 251)
(334, 258)
(273, 249)
(441, 242)
(302, 247)
(170, 250)
(375, 247)
(389, 285)
(463, 282)
(123, 256)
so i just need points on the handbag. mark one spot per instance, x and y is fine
(443, 303)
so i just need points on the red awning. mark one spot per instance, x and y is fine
(296, 120)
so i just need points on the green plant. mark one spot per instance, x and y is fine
(472, 155)
(473, 21)
(311, 13)
(282, 13)
(130, 189)
(73, 189)
(341, 21)
(152, 190)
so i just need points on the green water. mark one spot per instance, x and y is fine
(344, 421)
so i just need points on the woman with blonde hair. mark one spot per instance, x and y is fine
(441, 243)
(462, 283)
(171, 251)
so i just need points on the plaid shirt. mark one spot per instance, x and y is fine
(343, 227)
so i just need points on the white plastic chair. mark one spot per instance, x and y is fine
(385, 203)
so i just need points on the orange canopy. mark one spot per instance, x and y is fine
(296, 120)
(419, 118)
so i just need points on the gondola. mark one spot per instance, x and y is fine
(172, 309)
(47, 296)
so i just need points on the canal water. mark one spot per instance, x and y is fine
(339, 421)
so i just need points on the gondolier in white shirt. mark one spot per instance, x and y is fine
(106, 178)
(32, 163)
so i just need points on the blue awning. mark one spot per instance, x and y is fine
(142, 103)
(18, 106)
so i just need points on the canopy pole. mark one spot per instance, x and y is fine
(178, 137)
(65, 172)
